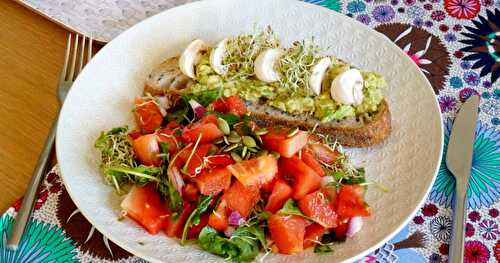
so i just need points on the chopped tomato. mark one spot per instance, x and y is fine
(146, 149)
(172, 125)
(190, 193)
(350, 202)
(206, 128)
(218, 218)
(311, 161)
(323, 153)
(134, 134)
(147, 115)
(313, 235)
(341, 229)
(219, 160)
(175, 226)
(281, 192)
(256, 171)
(214, 181)
(195, 230)
(288, 232)
(318, 207)
(241, 198)
(167, 136)
(195, 164)
(143, 204)
(305, 179)
(232, 104)
(278, 140)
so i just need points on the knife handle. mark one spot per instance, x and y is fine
(457, 238)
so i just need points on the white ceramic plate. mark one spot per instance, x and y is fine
(103, 94)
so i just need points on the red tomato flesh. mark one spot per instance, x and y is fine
(350, 202)
(219, 160)
(214, 181)
(196, 162)
(146, 149)
(147, 115)
(318, 207)
(288, 232)
(281, 192)
(206, 128)
(256, 171)
(311, 161)
(195, 230)
(174, 227)
(305, 179)
(218, 218)
(277, 140)
(313, 235)
(241, 198)
(232, 104)
(168, 137)
(143, 204)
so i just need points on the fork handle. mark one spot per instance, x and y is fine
(29, 198)
(457, 239)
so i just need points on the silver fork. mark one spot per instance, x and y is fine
(69, 72)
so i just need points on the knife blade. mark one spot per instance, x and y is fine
(459, 162)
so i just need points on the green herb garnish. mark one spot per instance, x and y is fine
(194, 217)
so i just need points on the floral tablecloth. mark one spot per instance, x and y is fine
(456, 43)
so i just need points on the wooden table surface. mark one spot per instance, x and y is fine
(31, 55)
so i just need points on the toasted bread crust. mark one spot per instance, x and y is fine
(371, 133)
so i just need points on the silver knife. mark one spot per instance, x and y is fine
(459, 162)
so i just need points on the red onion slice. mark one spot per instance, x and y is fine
(355, 224)
(198, 109)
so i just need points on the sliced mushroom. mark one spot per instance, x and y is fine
(318, 73)
(190, 57)
(217, 56)
(266, 63)
(347, 87)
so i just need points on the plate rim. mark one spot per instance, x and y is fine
(358, 256)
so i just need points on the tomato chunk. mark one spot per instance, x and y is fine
(195, 164)
(231, 104)
(146, 149)
(311, 161)
(281, 192)
(350, 203)
(195, 230)
(174, 227)
(313, 235)
(143, 204)
(288, 232)
(206, 128)
(256, 171)
(219, 160)
(241, 198)
(277, 140)
(190, 193)
(318, 207)
(168, 137)
(213, 181)
(218, 218)
(305, 179)
(148, 115)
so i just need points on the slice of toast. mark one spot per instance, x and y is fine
(361, 131)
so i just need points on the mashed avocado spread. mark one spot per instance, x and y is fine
(290, 94)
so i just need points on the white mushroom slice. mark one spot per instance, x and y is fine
(265, 64)
(347, 87)
(190, 57)
(216, 57)
(318, 73)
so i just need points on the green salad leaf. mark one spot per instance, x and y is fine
(194, 217)
(322, 248)
(168, 192)
(242, 246)
(289, 208)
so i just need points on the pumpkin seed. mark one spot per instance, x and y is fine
(244, 151)
(275, 154)
(226, 141)
(236, 157)
(219, 141)
(262, 152)
(249, 141)
(223, 126)
(254, 150)
(234, 137)
(231, 147)
(292, 132)
(261, 131)
(259, 139)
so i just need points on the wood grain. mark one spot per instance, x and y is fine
(31, 55)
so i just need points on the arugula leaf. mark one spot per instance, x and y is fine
(230, 118)
(359, 179)
(194, 217)
(291, 209)
(168, 192)
(323, 248)
(204, 97)
(241, 247)
(247, 232)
